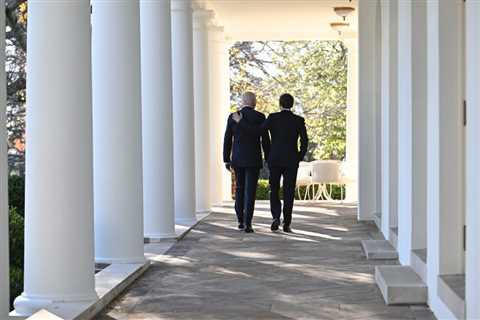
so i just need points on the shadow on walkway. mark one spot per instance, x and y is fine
(218, 272)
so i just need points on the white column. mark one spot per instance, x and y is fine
(59, 249)
(157, 119)
(472, 281)
(183, 111)
(368, 104)
(217, 115)
(444, 147)
(117, 131)
(389, 116)
(202, 109)
(4, 238)
(351, 193)
(224, 61)
(412, 128)
(405, 144)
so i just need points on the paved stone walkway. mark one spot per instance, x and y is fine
(217, 272)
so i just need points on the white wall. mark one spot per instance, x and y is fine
(412, 128)
(473, 161)
(444, 148)
(389, 115)
(419, 124)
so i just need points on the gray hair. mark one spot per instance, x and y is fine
(249, 99)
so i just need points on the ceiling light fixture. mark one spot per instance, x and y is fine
(340, 26)
(343, 12)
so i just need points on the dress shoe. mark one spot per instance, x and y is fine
(287, 229)
(249, 229)
(275, 225)
(241, 226)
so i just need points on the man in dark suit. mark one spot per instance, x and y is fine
(285, 129)
(242, 153)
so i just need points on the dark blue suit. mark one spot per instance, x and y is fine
(244, 152)
(285, 129)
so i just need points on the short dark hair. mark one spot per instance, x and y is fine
(286, 101)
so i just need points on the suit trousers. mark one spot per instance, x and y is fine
(246, 191)
(289, 182)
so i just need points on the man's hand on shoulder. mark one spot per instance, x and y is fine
(237, 116)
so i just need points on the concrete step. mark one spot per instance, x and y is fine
(451, 289)
(400, 285)
(379, 250)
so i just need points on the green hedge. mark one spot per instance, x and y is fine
(263, 191)
(16, 191)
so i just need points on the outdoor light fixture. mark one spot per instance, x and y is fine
(339, 26)
(343, 12)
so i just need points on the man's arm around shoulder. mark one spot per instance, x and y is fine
(227, 143)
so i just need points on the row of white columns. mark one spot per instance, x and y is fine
(112, 130)
(414, 53)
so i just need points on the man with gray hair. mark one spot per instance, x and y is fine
(242, 152)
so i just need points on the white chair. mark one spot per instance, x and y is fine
(325, 172)
(304, 179)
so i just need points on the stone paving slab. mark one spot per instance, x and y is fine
(218, 272)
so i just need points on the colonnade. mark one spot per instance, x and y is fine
(120, 129)
(415, 86)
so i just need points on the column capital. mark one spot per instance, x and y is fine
(181, 5)
(217, 33)
(201, 18)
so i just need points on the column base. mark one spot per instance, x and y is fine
(158, 237)
(186, 221)
(135, 260)
(26, 305)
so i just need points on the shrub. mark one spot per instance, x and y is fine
(16, 283)
(16, 234)
(16, 193)
(263, 190)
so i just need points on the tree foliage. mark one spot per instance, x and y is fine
(16, 60)
(314, 72)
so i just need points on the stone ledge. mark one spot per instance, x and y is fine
(418, 260)
(400, 285)
(377, 218)
(109, 283)
(394, 236)
(379, 250)
(112, 280)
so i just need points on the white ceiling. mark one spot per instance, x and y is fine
(281, 19)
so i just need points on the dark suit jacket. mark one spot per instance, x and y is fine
(242, 149)
(285, 129)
